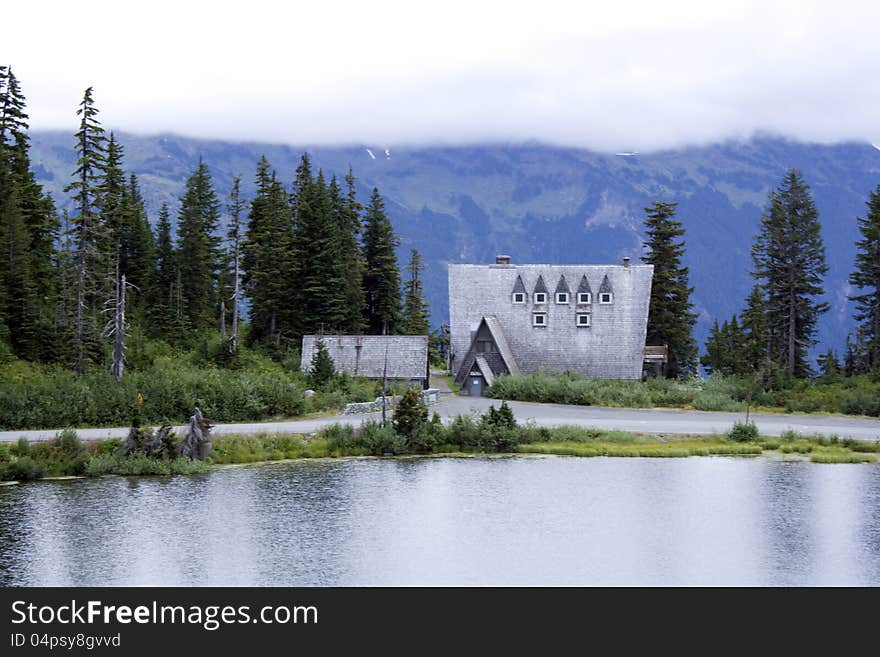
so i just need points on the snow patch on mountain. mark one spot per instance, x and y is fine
(370, 153)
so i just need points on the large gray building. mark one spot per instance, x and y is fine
(511, 319)
(405, 356)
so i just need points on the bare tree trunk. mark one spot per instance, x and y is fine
(233, 340)
(384, 380)
(119, 327)
(222, 320)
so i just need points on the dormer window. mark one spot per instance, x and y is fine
(518, 294)
(585, 298)
(583, 320)
(539, 319)
(562, 297)
(606, 294)
(539, 293)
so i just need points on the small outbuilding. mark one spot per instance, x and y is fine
(402, 358)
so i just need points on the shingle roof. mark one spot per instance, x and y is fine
(585, 285)
(364, 355)
(562, 285)
(518, 287)
(606, 286)
(481, 363)
(539, 286)
(504, 349)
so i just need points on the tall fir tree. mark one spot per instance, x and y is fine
(198, 249)
(138, 245)
(381, 274)
(317, 273)
(755, 353)
(348, 213)
(415, 309)
(266, 261)
(866, 277)
(235, 237)
(28, 231)
(789, 263)
(163, 311)
(670, 317)
(88, 231)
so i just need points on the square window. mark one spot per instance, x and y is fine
(562, 297)
(583, 319)
(539, 319)
(519, 297)
(585, 297)
(540, 297)
(605, 297)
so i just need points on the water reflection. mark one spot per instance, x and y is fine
(453, 521)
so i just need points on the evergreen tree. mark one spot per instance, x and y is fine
(348, 214)
(829, 365)
(163, 316)
(415, 308)
(317, 268)
(28, 230)
(198, 247)
(112, 205)
(87, 229)
(789, 263)
(322, 369)
(138, 261)
(410, 415)
(16, 281)
(381, 275)
(715, 358)
(670, 317)
(867, 278)
(236, 207)
(755, 339)
(724, 349)
(266, 260)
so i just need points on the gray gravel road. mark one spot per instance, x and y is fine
(644, 420)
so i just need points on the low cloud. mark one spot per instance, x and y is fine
(635, 76)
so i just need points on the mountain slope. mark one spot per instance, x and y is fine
(547, 204)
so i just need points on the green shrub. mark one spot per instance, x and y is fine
(790, 435)
(23, 468)
(742, 432)
(410, 415)
(716, 401)
(110, 446)
(33, 396)
(379, 440)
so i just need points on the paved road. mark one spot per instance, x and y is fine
(645, 420)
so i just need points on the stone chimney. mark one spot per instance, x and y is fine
(501, 259)
(626, 261)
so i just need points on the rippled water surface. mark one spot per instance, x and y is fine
(448, 521)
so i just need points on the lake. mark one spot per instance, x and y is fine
(453, 521)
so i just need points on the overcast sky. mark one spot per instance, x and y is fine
(609, 75)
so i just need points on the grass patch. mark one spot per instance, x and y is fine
(842, 457)
(857, 395)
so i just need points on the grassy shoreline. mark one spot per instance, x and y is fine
(66, 456)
